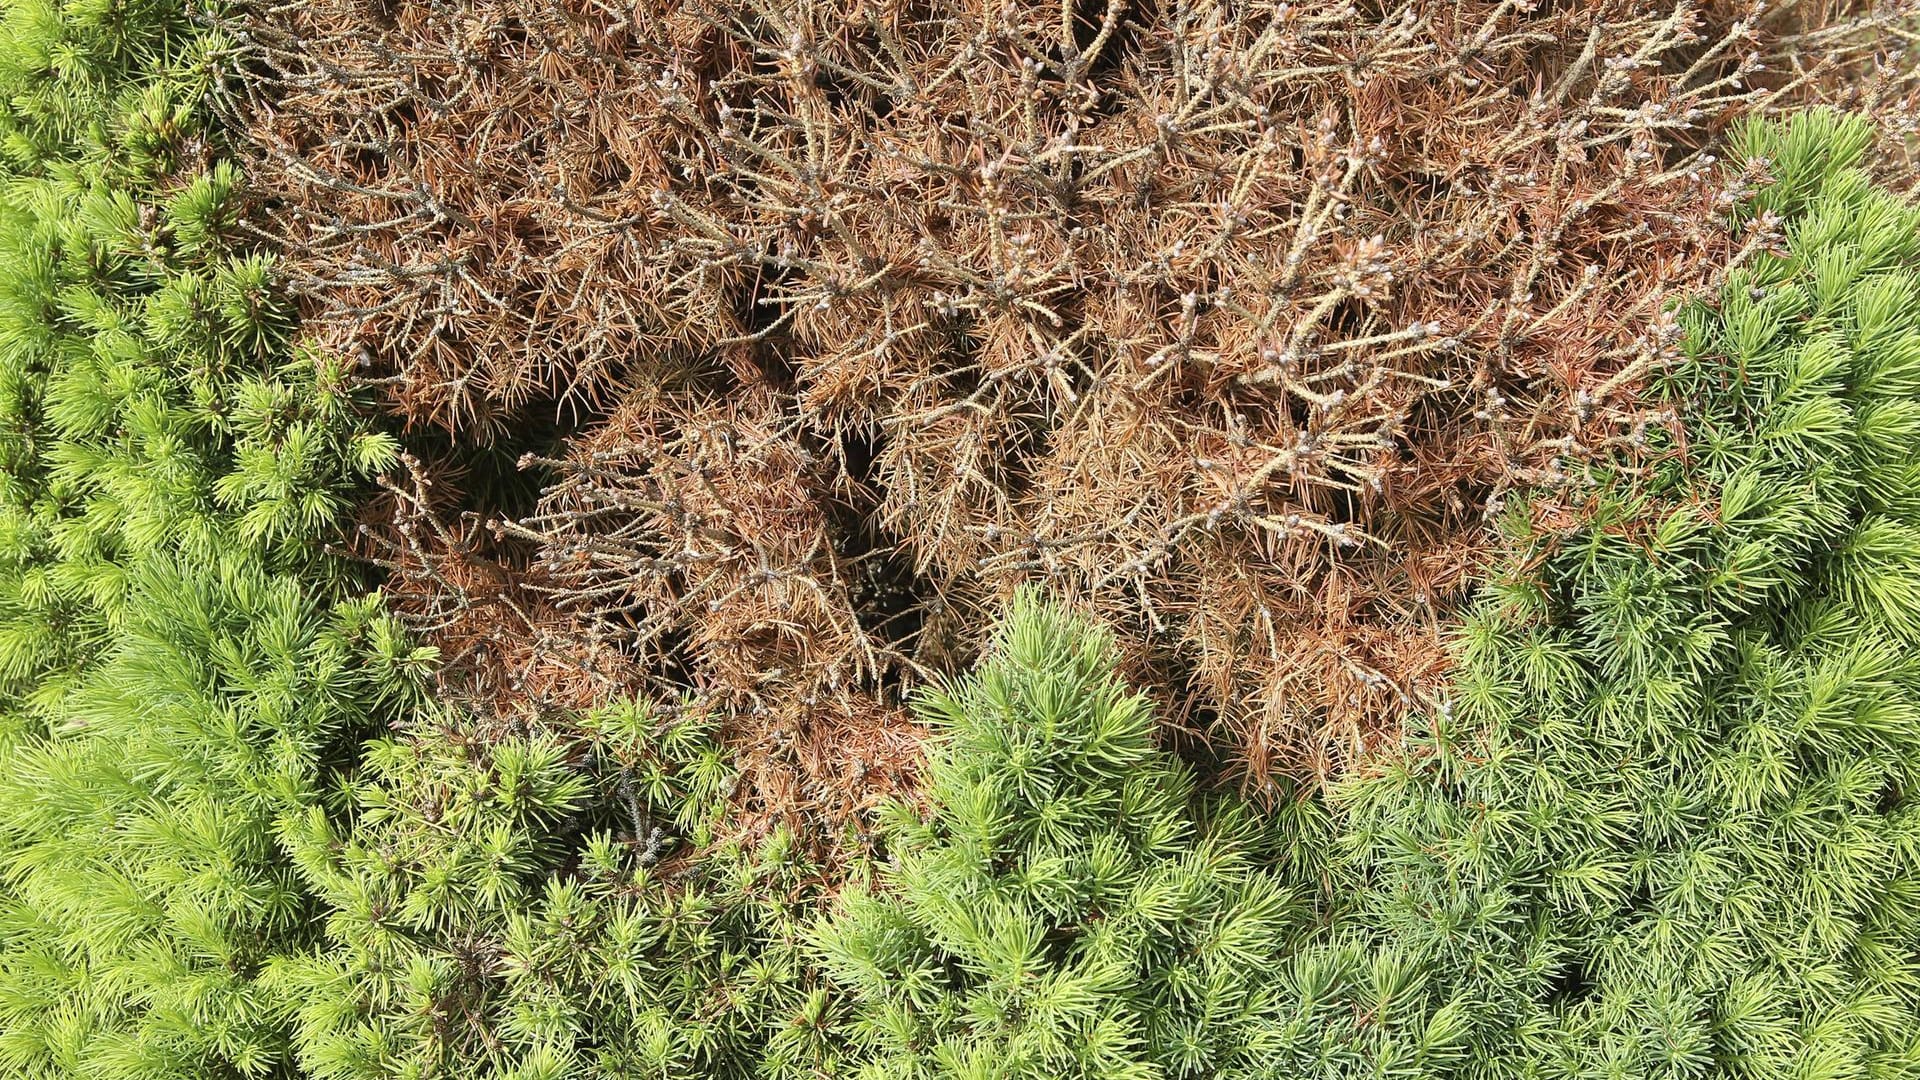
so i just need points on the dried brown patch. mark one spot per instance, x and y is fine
(1232, 319)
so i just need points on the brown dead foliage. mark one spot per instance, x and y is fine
(1232, 319)
(814, 761)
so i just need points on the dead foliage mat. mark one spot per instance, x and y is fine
(755, 350)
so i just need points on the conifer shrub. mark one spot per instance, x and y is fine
(179, 669)
(548, 906)
(1661, 826)
(1069, 902)
(552, 906)
(1074, 906)
(1664, 825)
(1233, 319)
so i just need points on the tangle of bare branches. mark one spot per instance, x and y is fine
(1233, 318)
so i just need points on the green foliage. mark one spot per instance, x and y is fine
(178, 673)
(1072, 908)
(486, 922)
(109, 85)
(148, 404)
(143, 882)
(1665, 825)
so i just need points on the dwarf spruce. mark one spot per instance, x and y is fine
(1661, 826)
(180, 670)
(1664, 825)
